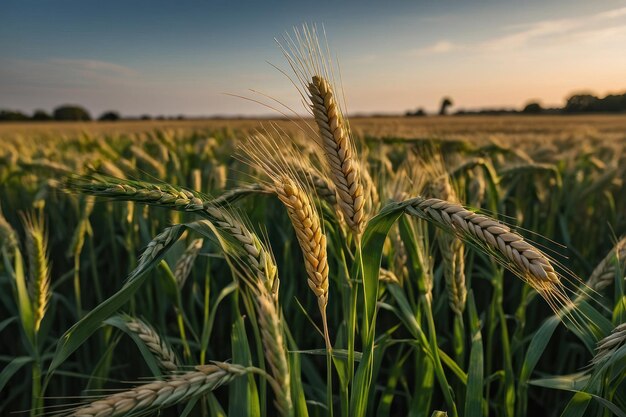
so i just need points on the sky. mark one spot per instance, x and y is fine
(194, 57)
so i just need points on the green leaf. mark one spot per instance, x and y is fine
(12, 368)
(243, 396)
(475, 377)
(371, 254)
(23, 299)
(368, 260)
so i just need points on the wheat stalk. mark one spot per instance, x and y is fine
(274, 347)
(148, 160)
(157, 395)
(232, 195)
(158, 346)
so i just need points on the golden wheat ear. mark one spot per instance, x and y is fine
(294, 189)
(314, 71)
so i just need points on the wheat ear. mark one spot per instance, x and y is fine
(158, 346)
(503, 244)
(388, 277)
(609, 344)
(340, 154)
(451, 248)
(312, 240)
(604, 273)
(161, 394)
(39, 270)
(8, 236)
(186, 261)
(271, 154)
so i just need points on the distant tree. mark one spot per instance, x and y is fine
(180, 117)
(12, 116)
(71, 112)
(533, 108)
(445, 103)
(146, 117)
(612, 103)
(417, 113)
(109, 116)
(580, 103)
(41, 115)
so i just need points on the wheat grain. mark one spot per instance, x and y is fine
(388, 277)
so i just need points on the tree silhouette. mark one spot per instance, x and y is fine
(110, 116)
(12, 116)
(445, 103)
(71, 112)
(533, 108)
(41, 115)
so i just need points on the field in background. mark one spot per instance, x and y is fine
(475, 128)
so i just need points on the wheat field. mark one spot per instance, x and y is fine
(467, 266)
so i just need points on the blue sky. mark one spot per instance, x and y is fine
(172, 57)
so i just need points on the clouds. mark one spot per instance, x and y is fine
(587, 29)
(556, 31)
(440, 47)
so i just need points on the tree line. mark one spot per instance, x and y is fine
(62, 113)
(575, 104)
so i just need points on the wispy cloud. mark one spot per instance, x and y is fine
(553, 30)
(440, 47)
